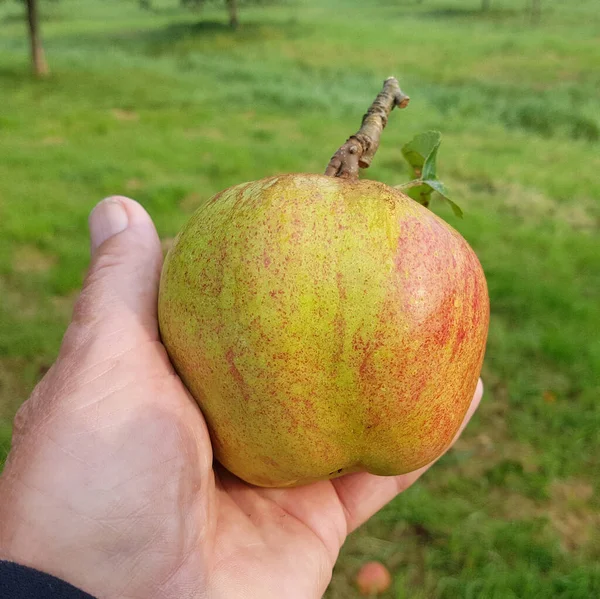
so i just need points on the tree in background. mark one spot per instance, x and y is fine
(38, 57)
(536, 11)
(233, 13)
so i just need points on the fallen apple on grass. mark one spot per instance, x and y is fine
(373, 579)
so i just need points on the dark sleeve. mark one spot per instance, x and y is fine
(21, 582)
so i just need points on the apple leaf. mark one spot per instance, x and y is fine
(438, 186)
(418, 190)
(418, 149)
(421, 154)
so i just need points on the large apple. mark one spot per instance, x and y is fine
(324, 326)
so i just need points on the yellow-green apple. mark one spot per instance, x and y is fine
(324, 326)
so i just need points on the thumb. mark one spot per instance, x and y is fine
(120, 291)
(114, 318)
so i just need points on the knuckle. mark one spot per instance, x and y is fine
(21, 418)
(36, 407)
(107, 260)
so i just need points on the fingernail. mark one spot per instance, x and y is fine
(108, 218)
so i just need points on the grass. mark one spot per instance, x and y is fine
(170, 106)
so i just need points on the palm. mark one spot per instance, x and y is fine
(270, 550)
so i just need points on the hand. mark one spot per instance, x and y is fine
(110, 482)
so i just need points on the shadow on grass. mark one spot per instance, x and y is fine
(206, 28)
(209, 30)
(12, 74)
(470, 13)
(18, 76)
(456, 13)
(11, 18)
(190, 36)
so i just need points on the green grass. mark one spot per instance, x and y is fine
(169, 107)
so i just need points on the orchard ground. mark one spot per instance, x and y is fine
(169, 106)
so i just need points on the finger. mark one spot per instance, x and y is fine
(363, 494)
(119, 295)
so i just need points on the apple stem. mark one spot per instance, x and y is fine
(359, 149)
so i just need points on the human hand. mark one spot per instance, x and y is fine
(110, 482)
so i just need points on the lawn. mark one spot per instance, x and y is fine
(169, 106)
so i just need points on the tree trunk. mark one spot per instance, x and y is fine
(485, 5)
(38, 58)
(233, 13)
(536, 11)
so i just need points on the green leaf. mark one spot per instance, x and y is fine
(421, 154)
(418, 150)
(418, 190)
(421, 190)
(430, 165)
(443, 191)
